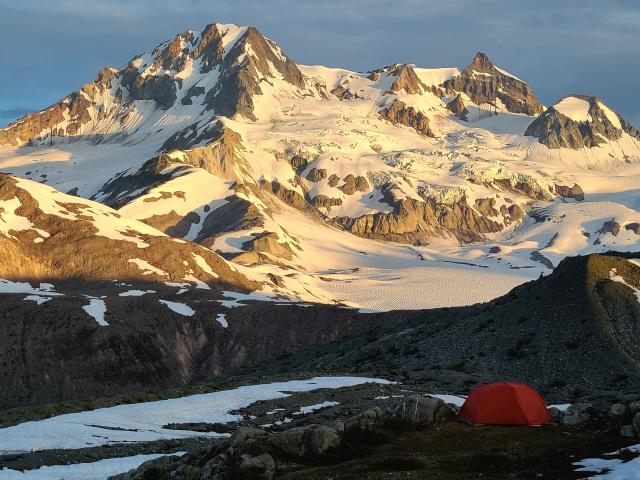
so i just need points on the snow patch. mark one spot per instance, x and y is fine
(179, 308)
(97, 309)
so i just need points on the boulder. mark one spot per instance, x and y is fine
(218, 468)
(618, 410)
(290, 441)
(319, 440)
(634, 406)
(575, 419)
(418, 409)
(556, 414)
(259, 467)
(245, 434)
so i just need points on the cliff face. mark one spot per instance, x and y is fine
(484, 83)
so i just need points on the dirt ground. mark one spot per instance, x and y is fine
(456, 451)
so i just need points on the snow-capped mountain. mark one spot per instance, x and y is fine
(322, 183)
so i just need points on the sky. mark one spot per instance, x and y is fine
(51, 48)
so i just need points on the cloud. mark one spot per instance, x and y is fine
(558, 47)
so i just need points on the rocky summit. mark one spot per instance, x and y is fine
(219, 263)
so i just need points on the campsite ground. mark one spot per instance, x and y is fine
(456, 451)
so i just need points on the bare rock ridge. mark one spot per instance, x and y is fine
(579, 121)
(458, 107)
(242, 74)
(484, 83)
(239, 72)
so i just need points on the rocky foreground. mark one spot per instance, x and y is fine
(399, 434)
(370, 431)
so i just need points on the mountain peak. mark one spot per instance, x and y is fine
(578, 121)
(481, 62)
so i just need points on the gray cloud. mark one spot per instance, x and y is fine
(558, 47)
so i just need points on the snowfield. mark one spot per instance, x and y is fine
(100, 470)
(144, 421)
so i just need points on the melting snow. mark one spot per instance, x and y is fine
(179, 308)
(147, 268)
(99, 470)
(221, 318)
(143, 421)
(135, 293)
(313, 408)
(613, 468)
(613, 275)
(97, 308)
(39, 299)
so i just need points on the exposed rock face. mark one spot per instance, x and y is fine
(400, 114)
(322, 201)
(251, 60)
(407, 81)
(290, 197)
(575, 192)
(354, 184)
(599, 124)
(458, 107)
(610, 226)
(415, 222)
(268, 242)
(242, 75)
(315, 174)
(484, 83)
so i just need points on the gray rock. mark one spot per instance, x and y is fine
(244, 434)
(444, 413)
(321, 439)
(290, 441)
(580, 407)
(418, 409)
(556, 414)
(617, 409)
(218, 468)
(634, 406)
(263, 466)
(628, 431)
(575, 419)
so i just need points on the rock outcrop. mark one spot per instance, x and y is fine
(484, 83)
(399, 113)
(458, 108)
(579, 121)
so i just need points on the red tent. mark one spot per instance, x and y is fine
(504, 403)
